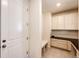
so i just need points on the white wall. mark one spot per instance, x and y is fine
(46, 26)
(35, 28)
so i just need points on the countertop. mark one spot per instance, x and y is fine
(66, 36)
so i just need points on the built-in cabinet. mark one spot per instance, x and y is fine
(71, 20)
(65, 21)
(62, 44)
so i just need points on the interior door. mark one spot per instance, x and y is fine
(13, 39)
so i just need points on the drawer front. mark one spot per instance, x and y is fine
(69, 45)
(59, 43)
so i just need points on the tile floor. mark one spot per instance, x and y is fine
(58, 53)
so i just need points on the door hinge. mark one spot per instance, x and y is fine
(27, 24)
(27, 38)
(27, 52)
(27, 9)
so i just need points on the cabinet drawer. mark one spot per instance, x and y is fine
(69, 45)
(59, 43)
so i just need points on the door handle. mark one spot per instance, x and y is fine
(4, 41)
(4, 46)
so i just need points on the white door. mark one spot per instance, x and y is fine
(13, 39)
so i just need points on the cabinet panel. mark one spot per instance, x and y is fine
(66, 21)
(69, 45)
(61, 22)
(75, 21)
(71, 21)
(58, 22)
(59, 43)
(55, 22)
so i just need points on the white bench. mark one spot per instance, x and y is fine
(44, 42)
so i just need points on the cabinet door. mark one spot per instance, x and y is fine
(71, 21)
(69, 45)
(68, 21)
(75, 21)
(59, 43)
(55, 22)
(60, 22)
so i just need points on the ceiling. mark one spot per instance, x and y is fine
(50, 5)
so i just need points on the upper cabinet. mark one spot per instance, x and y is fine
(65, 21)
(61, 22)
(54, 22)
(58, 22)
(71, 20)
